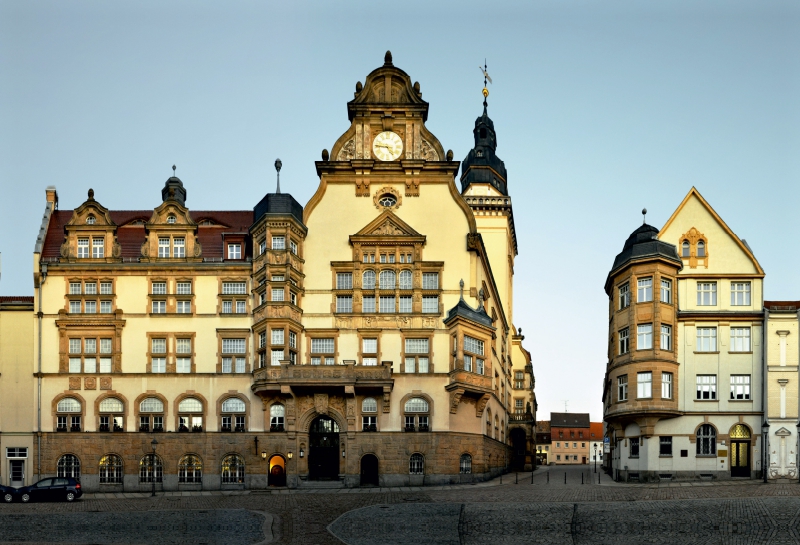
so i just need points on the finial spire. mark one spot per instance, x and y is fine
(485, 79)
(644, 215)
(173, 169)
(278, 166)
(461, 285)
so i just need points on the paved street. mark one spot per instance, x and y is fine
(702, 512)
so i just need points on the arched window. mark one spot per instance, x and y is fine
(233, 421)
(369, 421)
(496, 427)
(111, 411)
(190, 417)
(388, 280)
(68, 415)
(151, 415)
(416, 465)
(417, 418)
(276, 414)
(91, 220)
(150, 467)
(465, 464)
(685, 249)
(170, 219)
(706, 440)
(368, 280)
(110, 469)
(701, 248)
(232, 469)
(405, 280)
(190, 469)
(69, 466)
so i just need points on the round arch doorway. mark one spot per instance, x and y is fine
(323, 452)
(369, 470)
(277, 471)
(740, 451)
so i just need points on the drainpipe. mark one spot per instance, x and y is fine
(764, 390)
(39, 315)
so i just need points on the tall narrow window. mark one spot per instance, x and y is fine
(624, 296)
(706, 440)
(406, 303)
(666, 385)
(83, 247)
(644, 339)
(644, 385)
(98, 249)
(179, 247)
(387, 304)
(163, 247)
(624, 342)
(369, 351)
(666, 291)
(685, 249)
(405, 280)
(645, 290)
(701, 248)
(665, 446)
(622, 388)
(666, 337)
(158, 359)
(368, 304)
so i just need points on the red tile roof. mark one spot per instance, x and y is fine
(16, 298)
(131, 237)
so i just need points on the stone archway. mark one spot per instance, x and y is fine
(323, 451)
(277, 471)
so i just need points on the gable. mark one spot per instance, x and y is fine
(696, 221)
(388, 224)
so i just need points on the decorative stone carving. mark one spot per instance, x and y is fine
(387, 191)
(343, 323)
(145, 249)
(74, 383)
(429, 323)
(481, 405)
(388, 228)
(403, 321)
(321, 403)
(89, 383)
(473, 242)
(348, 151)
(64, 249)
(455, 398)
(116, 249)
(198, 248)
(105, 383)
(428, 151)
(387, 398)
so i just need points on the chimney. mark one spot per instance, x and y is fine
(52, 197)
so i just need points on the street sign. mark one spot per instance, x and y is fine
(606, 445)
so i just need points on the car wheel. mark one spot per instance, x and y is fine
(26, 498)
(9, 498)
(70, 496)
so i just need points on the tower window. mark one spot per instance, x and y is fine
(479, 153)
(483, 133)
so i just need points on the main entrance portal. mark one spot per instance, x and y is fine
(323, 455)
(740, 451)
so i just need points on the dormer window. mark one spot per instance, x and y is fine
(234, 251)
(90, 220)
(170, 219)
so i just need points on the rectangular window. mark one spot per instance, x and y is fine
(159, 365)
(158, 346)
(227, 307)
(666, 337)
(369, 361)
(467, 362)
(163, 247)
(430, 281)
(233, 346)
(184, 365)
(234, 251)
(416, 346)
(666, 291)
(344, 281)
(234, 288)
(624, 296)
(178, 247)
(706, 293)
(74, 307)
(293, 247)
(344, 303)
(98, 248)
(74, 288)
(423, 364)
(622, 388)
(183, 346)
(262, 339)
(322, 346)
(740, 387)
(278, 294)
(410, 365)
(159, 288)
(292, 339)
(740, 294)
(706, 386)
(83, 247)
(645, 290)
(666, 385)
(430, 304)
(105, 307)
(634, 453)
(90, 365)
(105, 365)
(624, 342)
(369, 346)
(473, 345)
(90, 346)
(262, 359)
(405, 303)
(90, 307)
(262, 247)
(184, 288)
(105, 346)
(644, 338)
(276, 357)
(278, 243)
(479, 366)
(277, 336)
(159, 307)
(74, 346)
(227, 365)
(644, 385)
(91, 288)
(665, 446)
(706, 339)
(74, 365)
(184, 307)
(387, 304)
(293, 297)
(240, 307)
(368, 304)
(740, 339)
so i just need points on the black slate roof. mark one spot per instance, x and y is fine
(481, 164)
(465, 311)
(278, 203)
(643, 243)
(569, 420)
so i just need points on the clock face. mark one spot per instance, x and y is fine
(387, 146)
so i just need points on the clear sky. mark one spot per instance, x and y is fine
(601, 108)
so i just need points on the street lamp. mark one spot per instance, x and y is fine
(595, 457)
(764, 436)
(153, 444)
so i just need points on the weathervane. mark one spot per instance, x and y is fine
(485, 79)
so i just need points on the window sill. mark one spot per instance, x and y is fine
(644, 398)
(705, 455)
(740, 400)
(665, 455)
(733, 352)
(701, 352)
(707, 400)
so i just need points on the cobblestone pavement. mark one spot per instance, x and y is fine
(721, 512)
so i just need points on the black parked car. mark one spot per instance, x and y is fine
(58, 488)
(7, 493)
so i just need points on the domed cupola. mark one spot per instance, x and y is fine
(173, 189)
(482, 165)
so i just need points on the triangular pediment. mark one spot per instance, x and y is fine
(388, 224)
(783, 432)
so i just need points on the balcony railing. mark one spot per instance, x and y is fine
(370, 427)
(323, 375)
